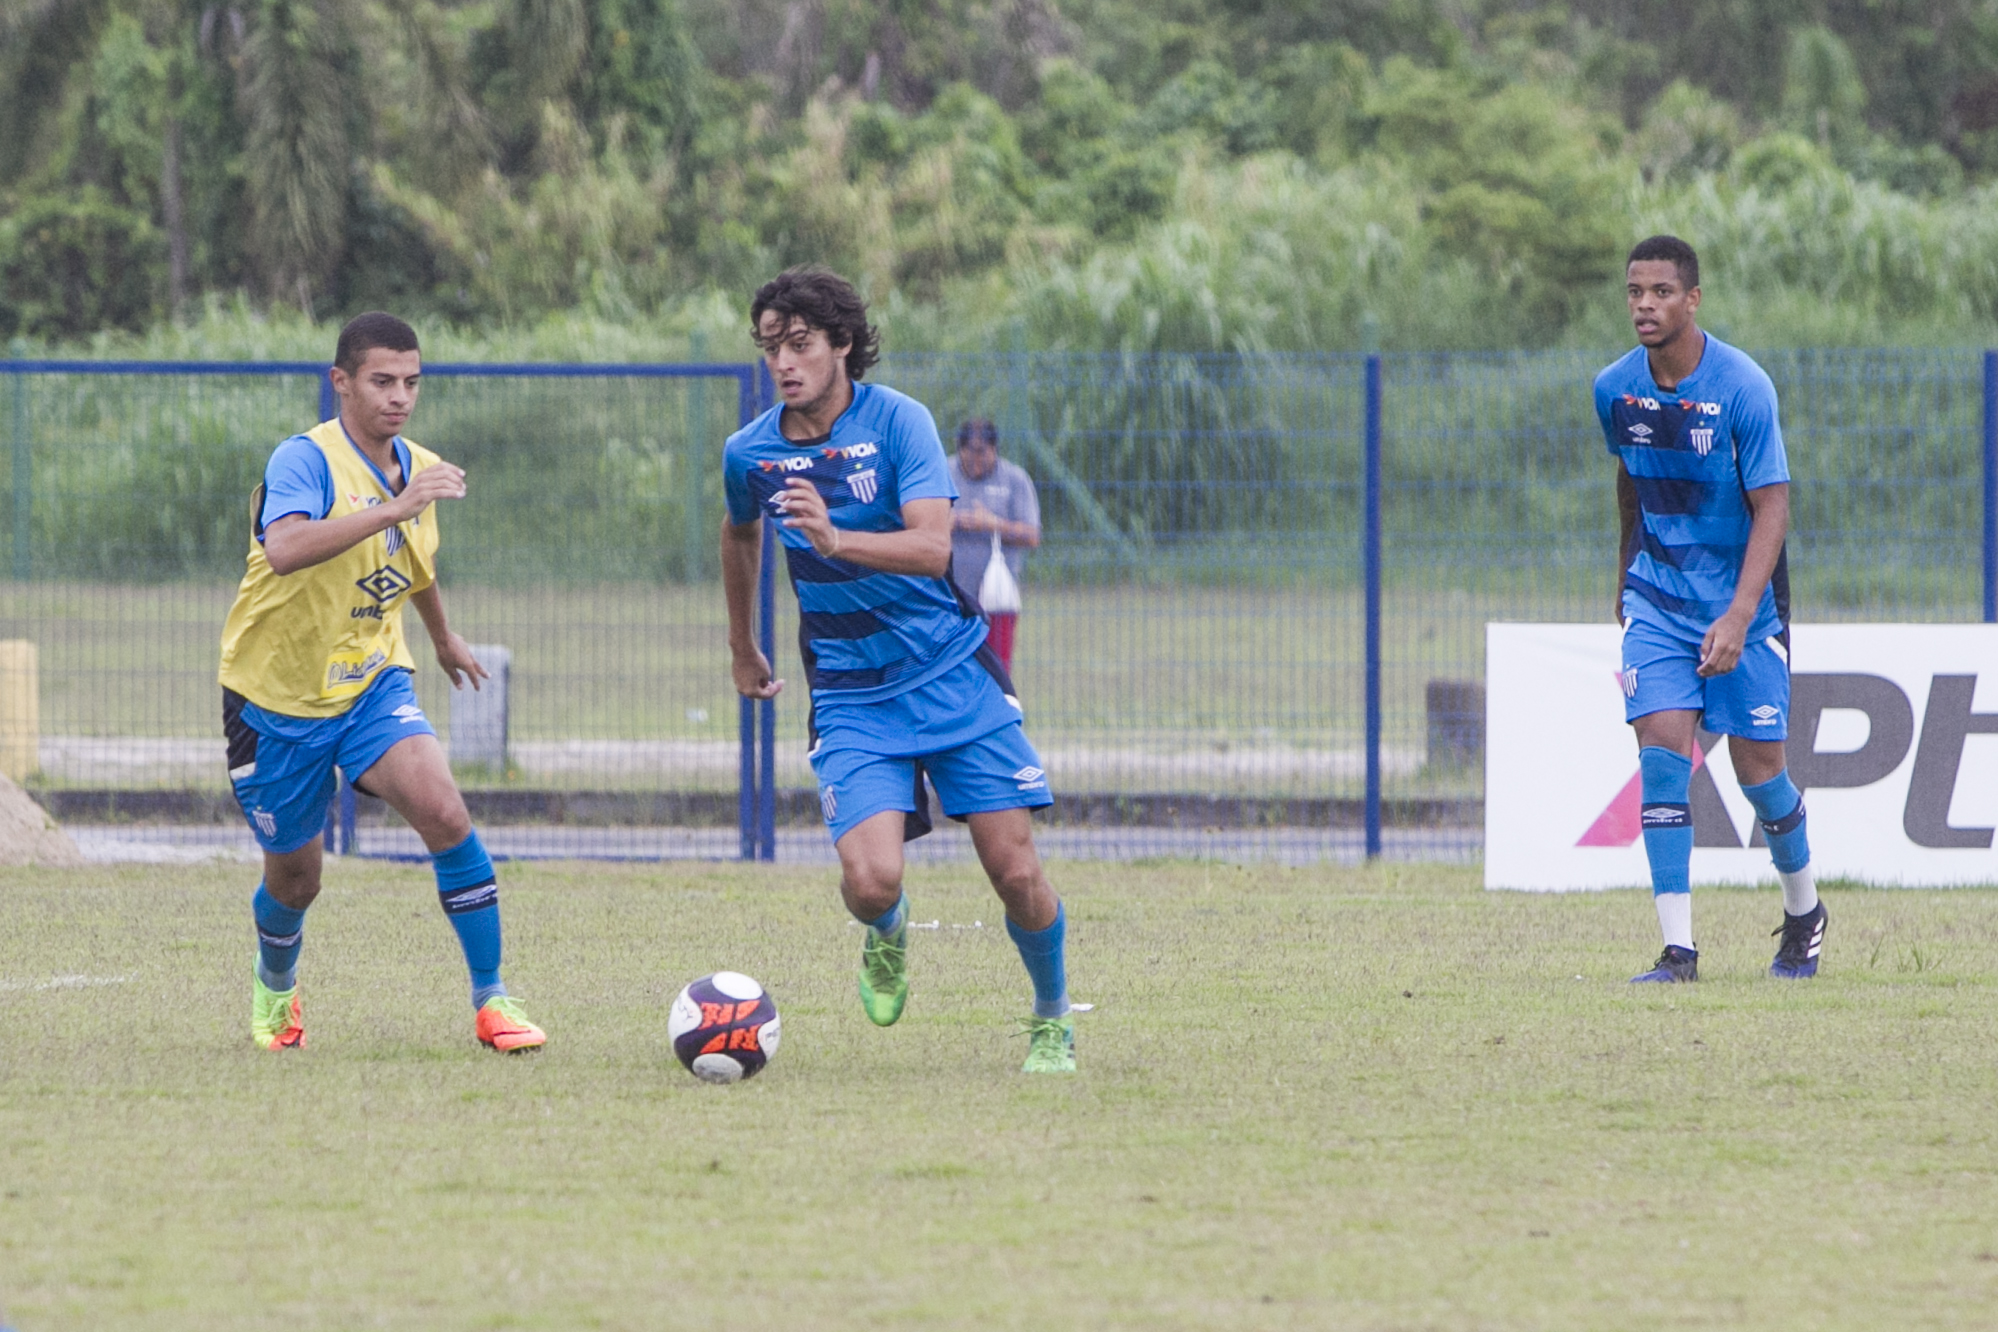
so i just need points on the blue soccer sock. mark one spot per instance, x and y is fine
(890, 920)
(1041, 950)
(280, 934)
(469, 892)
(1779, 805)
(1667, 818)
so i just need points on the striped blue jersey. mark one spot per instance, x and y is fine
(1694, 454)
(864, 635)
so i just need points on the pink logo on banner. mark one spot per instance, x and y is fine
(1623, 822)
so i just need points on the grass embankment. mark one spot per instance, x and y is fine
(1316, 1098)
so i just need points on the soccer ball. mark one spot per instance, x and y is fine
(724, 1027)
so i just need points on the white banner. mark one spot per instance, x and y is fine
(1893, 738)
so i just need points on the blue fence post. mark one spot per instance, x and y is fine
(1991, 487)
(766, 758)
(746, 802)
(1371, 559)
(24, 482)
(329, 401)
(766, 637)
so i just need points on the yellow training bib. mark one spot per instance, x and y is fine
(306, 644)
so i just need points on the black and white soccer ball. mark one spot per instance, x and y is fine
(724, 1027)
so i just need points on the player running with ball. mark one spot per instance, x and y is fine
(1703, 592)
(902, 681)
(315, 672)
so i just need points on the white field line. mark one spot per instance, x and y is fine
(62, 983)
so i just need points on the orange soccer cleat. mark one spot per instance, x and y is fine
(504, 1026)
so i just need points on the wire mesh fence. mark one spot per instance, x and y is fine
(1192, 649)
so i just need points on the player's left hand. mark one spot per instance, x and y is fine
(454, 654)
(805, 510)
(1720, 650)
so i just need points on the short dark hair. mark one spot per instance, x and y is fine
(365, 332)
(824, 300)
(978, 428)
(1670, 248)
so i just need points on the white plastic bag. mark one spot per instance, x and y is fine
(998, 591)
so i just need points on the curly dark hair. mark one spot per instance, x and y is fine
(824, 300)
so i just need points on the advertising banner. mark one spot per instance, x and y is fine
(1893, 738)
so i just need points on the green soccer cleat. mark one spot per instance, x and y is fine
(276, 1022)
(1050, 1045)
(884, 975)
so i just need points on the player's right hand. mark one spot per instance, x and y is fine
(752, 676)
(439, 481)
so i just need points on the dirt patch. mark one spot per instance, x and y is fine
(28, 836)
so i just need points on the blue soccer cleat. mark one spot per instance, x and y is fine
(1803, 936)
(1675, 965)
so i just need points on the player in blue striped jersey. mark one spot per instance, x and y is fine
(1703, 492)
(902, 683)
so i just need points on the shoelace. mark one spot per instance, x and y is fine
(884, 957)
(509, 1008)
(1797, 939)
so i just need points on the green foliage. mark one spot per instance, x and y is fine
(1067, 166)
(70, 266)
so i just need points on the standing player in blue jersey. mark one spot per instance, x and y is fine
(1703, 492)
(902, 681)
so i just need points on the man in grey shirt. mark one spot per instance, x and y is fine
(993, 495)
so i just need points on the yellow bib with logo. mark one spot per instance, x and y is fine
(306, 644)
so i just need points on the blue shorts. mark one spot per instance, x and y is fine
(1661, 673)
(282, 767)
(963, 730)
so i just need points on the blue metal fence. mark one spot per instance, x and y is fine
(1254, 627)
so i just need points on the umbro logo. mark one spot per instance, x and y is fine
(1030, 778)
(1766, 715)
(1640, 431)
(384, 584)
(409, 712)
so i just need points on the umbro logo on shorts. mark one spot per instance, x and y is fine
(1766, 715)
(1030, 778)
(409, 712)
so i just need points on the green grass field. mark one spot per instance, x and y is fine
(1309, 1099)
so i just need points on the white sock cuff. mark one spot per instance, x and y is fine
(1675, 918)
(1800, 891)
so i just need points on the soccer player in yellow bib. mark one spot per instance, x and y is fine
(316, 673)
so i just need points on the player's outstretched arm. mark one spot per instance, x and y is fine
(741, 563)
(454, 654)
(296, 542)
(1724, 642)
(922, 547)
